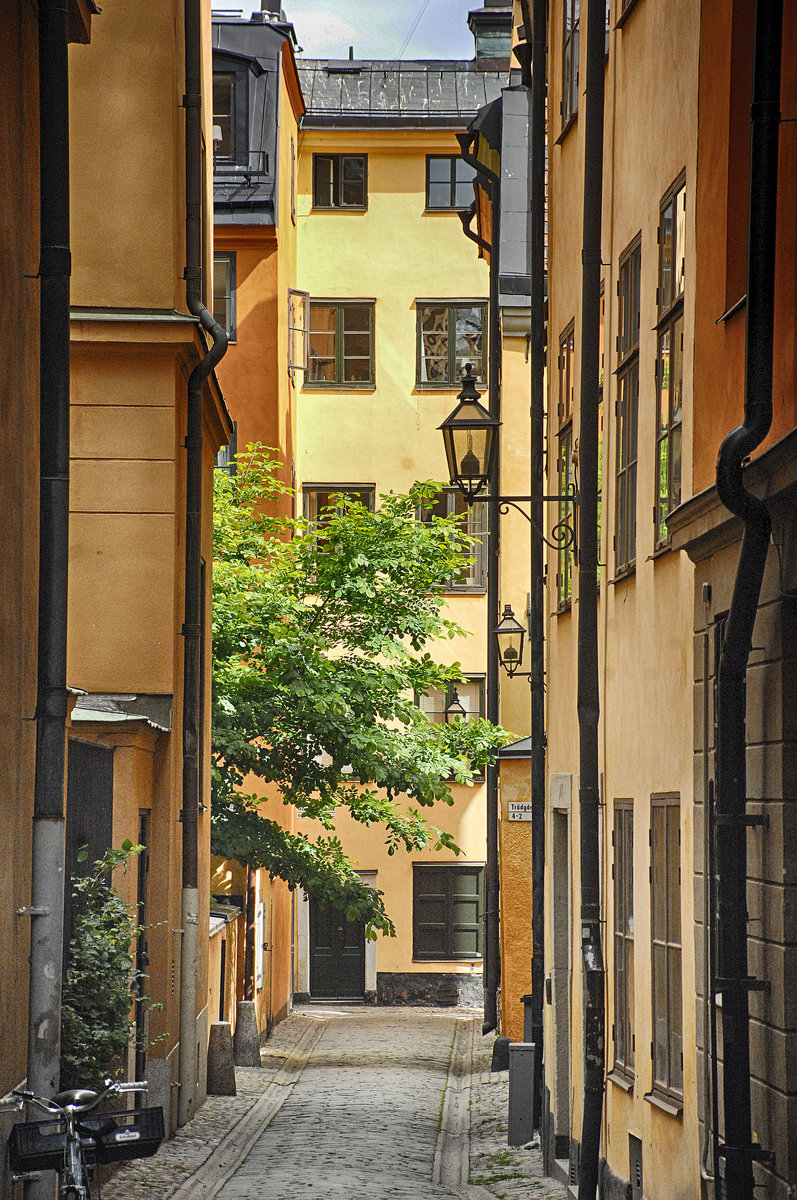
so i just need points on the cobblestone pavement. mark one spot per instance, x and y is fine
(352, 1103)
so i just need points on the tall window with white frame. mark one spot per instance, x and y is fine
(623, 876)
(665, 875)
(570, 29)
(670, 356)
(224, 291)
(626, 409)
(564, 459)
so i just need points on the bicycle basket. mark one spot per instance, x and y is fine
(40, 1145)
(120, 1136)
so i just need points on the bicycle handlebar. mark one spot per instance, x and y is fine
(50, 1107)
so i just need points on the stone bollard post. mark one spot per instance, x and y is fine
(246, 1043)
(221, 1070)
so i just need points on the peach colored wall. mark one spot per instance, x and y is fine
(515, 901)
(719, 368)
(645, 619)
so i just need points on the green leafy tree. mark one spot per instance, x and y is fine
(319, 648)
(101, 982)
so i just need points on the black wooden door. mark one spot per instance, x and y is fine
(89, 814)
(337, 955)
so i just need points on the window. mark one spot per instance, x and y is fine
(451, 502)
(626, 409)
(470, 694)
(670, 356)
(323, 498)
(564, 459)
(446, 912)
(449, 336)
(449, 182)
(665, 874)
(231, 117)
(340, 180)
(224, 292)
(341, 350)
(623, 876)
(224, 114)
(297, 332)
(225, 459)
(293, 181)
(570, 61)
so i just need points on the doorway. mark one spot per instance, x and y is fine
(337, 955)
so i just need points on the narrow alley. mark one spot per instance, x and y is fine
(352, 1102)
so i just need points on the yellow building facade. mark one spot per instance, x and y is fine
(389, 302)
(650, 1126)
(135, 345)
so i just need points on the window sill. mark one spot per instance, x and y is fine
(439, 387)
(571, 120)
(626, 573)
(339, 208)
(464, 590)
(444, 211)
(672, 1105)
(454, 962)
(621, 1080)
(662, 550)
(565, 607)
(339, 387)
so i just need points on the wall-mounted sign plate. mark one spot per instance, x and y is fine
(519, 810)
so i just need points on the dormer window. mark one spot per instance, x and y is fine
(224, 114)
(231, 137)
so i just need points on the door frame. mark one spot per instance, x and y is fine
(302, 975)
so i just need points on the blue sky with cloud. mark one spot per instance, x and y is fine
(376, 29)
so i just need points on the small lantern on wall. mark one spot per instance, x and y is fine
(509, 635)
(469, 435)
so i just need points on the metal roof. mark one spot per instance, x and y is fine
(385, 93)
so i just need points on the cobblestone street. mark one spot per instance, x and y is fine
(352, 1103)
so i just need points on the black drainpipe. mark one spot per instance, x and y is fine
(492, 940)
(192, 632)
(47, 872)
(537, 599)
(731, 818)
(588, 694)
(492, 964)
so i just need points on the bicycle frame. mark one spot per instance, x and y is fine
(73, 1174)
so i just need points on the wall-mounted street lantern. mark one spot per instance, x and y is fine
(470, 437)
(455, 711)
(509, 635)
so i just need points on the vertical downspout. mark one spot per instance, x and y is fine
(731, 795)
(47, 875)
(492, 935)
(588, 694)
(537, 611)
(192, 633)
(493, 929)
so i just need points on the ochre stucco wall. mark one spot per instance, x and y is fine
(515, 882)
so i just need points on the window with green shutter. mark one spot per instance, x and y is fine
(446, 912)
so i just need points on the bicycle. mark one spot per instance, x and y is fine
(73, 1141)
